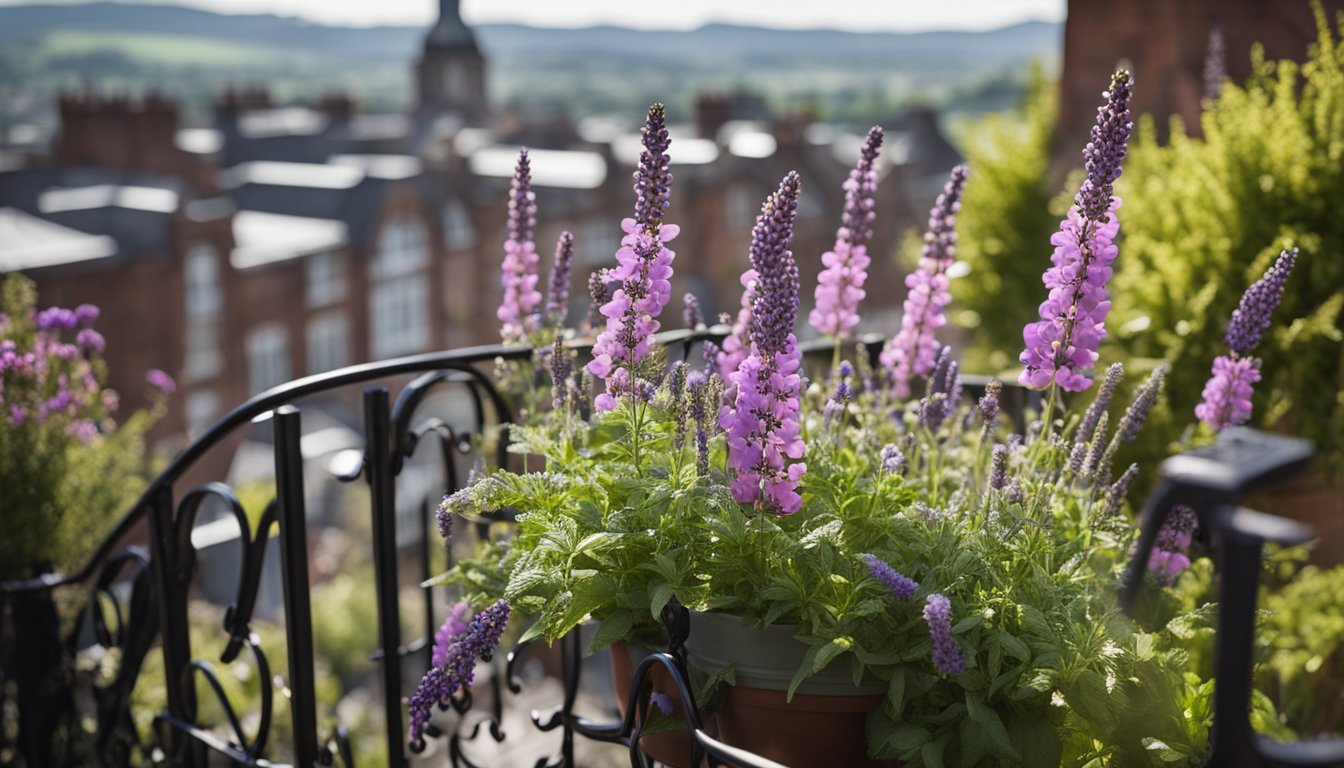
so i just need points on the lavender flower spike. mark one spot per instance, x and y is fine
(518, 273)
(947, 656)
(762, 421)
(644, 272)
(1063, 344)
(913, 350)
(840, 284)
(1250, 320)
(557, 298)
(1215, 64)
(690, 312)
(899, 585)
(459, 667)
(454, 626)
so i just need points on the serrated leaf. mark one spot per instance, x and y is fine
(1087, 696)
(967, 624)
(1162, 751)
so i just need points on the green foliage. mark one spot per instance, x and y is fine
(1303, 668)
(60, 491)
(621, 521)
(1204, 217)
(1004, 227)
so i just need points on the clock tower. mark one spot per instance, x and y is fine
(450, 74)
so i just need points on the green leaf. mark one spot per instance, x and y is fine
(967, 624)
(804, 670)
(988, 719)
(614, 627)
(659, 594)
(888, 739)
(1161, 751)
(1087, 696)
(1015, 647)
(1037, 741)
(829, 651)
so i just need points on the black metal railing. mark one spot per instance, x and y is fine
(137, 594)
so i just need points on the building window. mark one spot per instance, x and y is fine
(326, 279)
(398, 312)
(267, 357)
(399, 296)
(328, 342)
(201, 410)
(597, 243)
(204, 312)
(458, 233)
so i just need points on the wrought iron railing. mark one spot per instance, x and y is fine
(136, 596)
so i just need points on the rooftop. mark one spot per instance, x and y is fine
(151, 199)
(28, 242)
(282, 174)
(268, 238)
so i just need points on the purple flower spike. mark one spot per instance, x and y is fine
(947, 656)
(899, 585)
(1170, 555)
(1063, 344)
(762, 420)
(840, 284)
(914, 349)
(459, 666)
(1250, 320)
(56, 319)
(557, 299)
(454, 626)
(518, 273)
(691, 316)
(644, 272)
(85, 314)
(1215, 64)
(92, 341)
(1227, 395)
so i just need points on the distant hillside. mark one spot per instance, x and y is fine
(189, 52)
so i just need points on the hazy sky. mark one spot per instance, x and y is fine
(858, 15)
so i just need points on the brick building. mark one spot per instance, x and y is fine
(1165, 44)
(282, 241)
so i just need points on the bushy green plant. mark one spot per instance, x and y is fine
(67, 468)
(1204, 213)
(1030, 562)
(1005, 226)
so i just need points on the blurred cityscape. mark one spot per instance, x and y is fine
(255, 198)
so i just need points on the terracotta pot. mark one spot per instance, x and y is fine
(822, 726)
(672, 748)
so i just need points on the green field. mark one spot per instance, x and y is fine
(167, 50)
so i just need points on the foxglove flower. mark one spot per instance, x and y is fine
(459, 667)
(763, 420)
(1063, 344)
(947, 656)
(518, 273)
(902, 587)
(644, 272)
(913, 351)
(557, 299)
(840, 284)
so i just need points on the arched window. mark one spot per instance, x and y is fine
(399, 292)
(204, 303)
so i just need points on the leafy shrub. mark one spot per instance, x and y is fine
(1203, 214)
